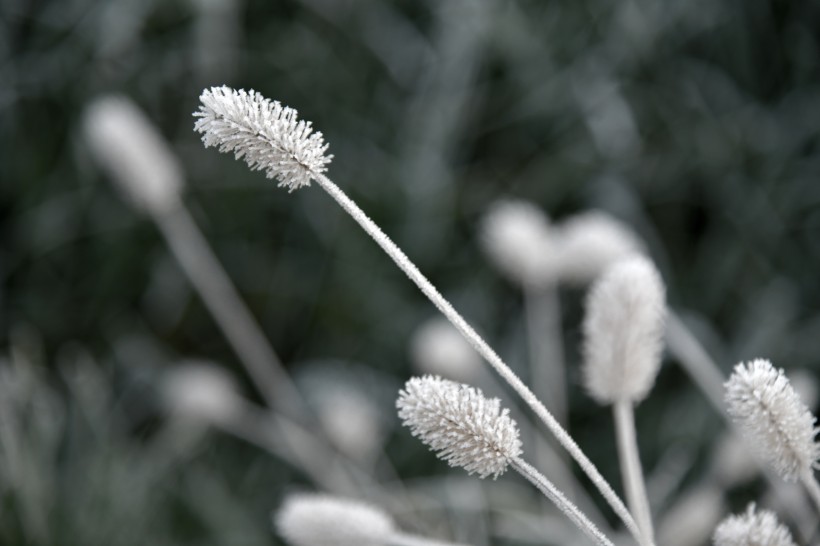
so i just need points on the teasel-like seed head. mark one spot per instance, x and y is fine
(587, 243)
(322, 520)
(516, 237)
(266, 134)
(132, 151)
(768, 411)
(462, 426)
(623, 331)
(754, 528)
(200, 391)
(438, 348)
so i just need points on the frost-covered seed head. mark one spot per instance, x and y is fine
(323, 520)
(623, 331)
(266, 134)
(200, 391)
(516, 237)
(438, 348)
(770, 414)
(587, 243)
(462, 426)
(754, 528)
(128, 146)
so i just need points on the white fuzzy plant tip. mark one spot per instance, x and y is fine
(462, 426)
(267, 135)
(623, 331)
(516, 237)
(130, 148)
(753, 528)
(322, 520)
(780, 427)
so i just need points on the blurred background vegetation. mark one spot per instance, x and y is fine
(696, 123)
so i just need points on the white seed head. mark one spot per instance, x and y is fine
(462, 426)
(323, 520)
(438, 348)
(771, 416)
(589, 242)
(352, 422)
(754, 528)
(623, 331)
(266, 134)
(200, 391)
(516, 236)
(128, 146)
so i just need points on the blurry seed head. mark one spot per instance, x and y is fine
(462, 426)
(772, 417)
(267, 135)
(130, 148)
(323, 520)
(587, 243)
(623, 331)
(352, 422)
(438, 348)
(516, 237)
(753, 528)
(200, 392)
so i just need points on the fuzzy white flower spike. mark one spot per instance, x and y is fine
(267, 135)
(753, 528)
(468, 430)
(777, 423)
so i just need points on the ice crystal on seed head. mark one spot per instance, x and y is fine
(752, 529)
(322, 520)
(462, 426)
(266, 134)
(763, 403)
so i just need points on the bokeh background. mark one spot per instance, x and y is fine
(695, 123)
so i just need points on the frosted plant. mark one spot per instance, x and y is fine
(754, 528)
(585, 244)
(762, 402)
(201, 392)
(468, 430)
(623, 341)
(323, 520)
(623, 331)
(266, 134)
(438, 348)
(133, 152)
(221, 126)
(516, 236)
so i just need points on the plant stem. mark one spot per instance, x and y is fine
(812, 487)
(483, 349)
(554, 494)
(199, 263)
(631, 467)
(404, 539)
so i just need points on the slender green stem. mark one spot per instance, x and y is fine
(631, 467)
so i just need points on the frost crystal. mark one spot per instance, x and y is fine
(752, 529)
(462, 426)
(763, 403)
(263, 132)
(323, 520)
(623, 331)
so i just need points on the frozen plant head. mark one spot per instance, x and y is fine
(131, 150)
(438, 348)
(623, 331)
(323, 520)
(200, 392)
(753, 528)
(589, 242)
(768, 411)
(462, 426)
(516, 237)
(266, 134)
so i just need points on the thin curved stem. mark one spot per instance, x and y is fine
(554, 494)
(631, 466)
(812, 487)
(483, 349)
